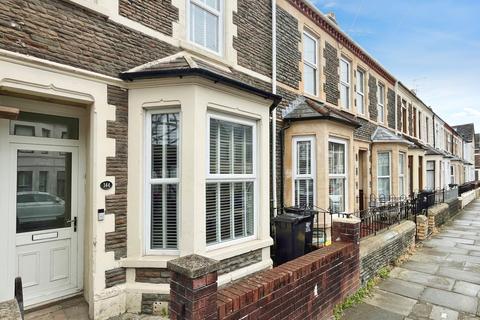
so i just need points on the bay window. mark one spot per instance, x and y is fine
(401, 174)
(337, 173)
(344, 83)
(304, 171)
(309, 64)
(360, 89)
(231, 179)
(205, 24)
(383, 174)
(162, 181)
(381, 103)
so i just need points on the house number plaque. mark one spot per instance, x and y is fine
(106, 185)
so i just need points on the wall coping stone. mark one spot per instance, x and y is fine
(436, 209)
(351, 220)
(193, 266)
(422, 218)
(374, 243)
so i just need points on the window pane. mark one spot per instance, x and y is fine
(360, 81)
(401, 185)
(229, 211)
(309, 49)
(164, 216)
(336, 158)
(344, 96)
(310, 79)
(204, 26)
(304, 193)
(344, 71)
(383, 164)
(337, 194)
(44, 125)
(231, 148)
(211, 29)
(381, 113)
(384, 187)
(42, 205)
(304, 155)
(401, 163)
(164, 145)
(360, 104)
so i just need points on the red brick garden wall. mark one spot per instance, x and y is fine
(308, 287)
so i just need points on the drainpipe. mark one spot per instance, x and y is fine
(274, 116)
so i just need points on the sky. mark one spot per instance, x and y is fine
(432, 46)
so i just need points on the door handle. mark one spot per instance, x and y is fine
(74, 220)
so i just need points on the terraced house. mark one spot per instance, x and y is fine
(136, 132)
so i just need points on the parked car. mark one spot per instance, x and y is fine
(35, 206)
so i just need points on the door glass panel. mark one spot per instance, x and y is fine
(44, 125)
(44, 188)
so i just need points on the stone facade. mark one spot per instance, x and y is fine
(158, 15)
(332, 78)
(152, 275)
(66, 33)
(254, 35)
(150, 299)
(381, 250)
(115, 276)
(372, 97)
(410, 119)
(391, 108)
(288, 55)
(238, 262)
(118, 167)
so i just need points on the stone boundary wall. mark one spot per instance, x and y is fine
(438, 215)
(305, 288)
(454, 206)
(467, 197)
(384, 248)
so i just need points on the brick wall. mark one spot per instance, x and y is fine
(117, 166)
(115, 276)
(391, 108)
(152, 275)
(158, 15)
(381, 250)
(372, 97)
(309, 286)
(254, 35)
(332, 78)
(288, 55)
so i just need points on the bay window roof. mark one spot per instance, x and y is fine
(184, 64)
(384, 135)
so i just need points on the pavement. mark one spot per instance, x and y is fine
(440, 281)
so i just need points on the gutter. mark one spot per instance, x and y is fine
(207, 74)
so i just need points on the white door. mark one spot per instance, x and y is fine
(46, 207)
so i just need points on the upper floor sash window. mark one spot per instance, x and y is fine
(345, 82)
(309, 64)
(205, 23)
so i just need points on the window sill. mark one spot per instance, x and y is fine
(238, 249)
(147, 261)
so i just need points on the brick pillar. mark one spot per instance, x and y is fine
(346, 230)
(193, 288)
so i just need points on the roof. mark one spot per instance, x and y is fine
(415, 143)
(433, 151)
(467, 131)
(185, 64)
(383, 134)
(304, 108)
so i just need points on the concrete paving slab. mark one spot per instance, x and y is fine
(425, 267)
(391, 302)
(401, 287)
(467, 288)
(469, 247)
(453, 273)
(444, 250)
(463, 258)
(450, 300)
(439, 243)
(441, 313)
(456, 239)
(368, 312)
(423, 278)
(421, 310)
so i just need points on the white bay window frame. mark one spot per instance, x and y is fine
(302, 177)
(343, 175)
(220, 24)
(232, 178)
(401, 173)
(389, 176)
(150, 182)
